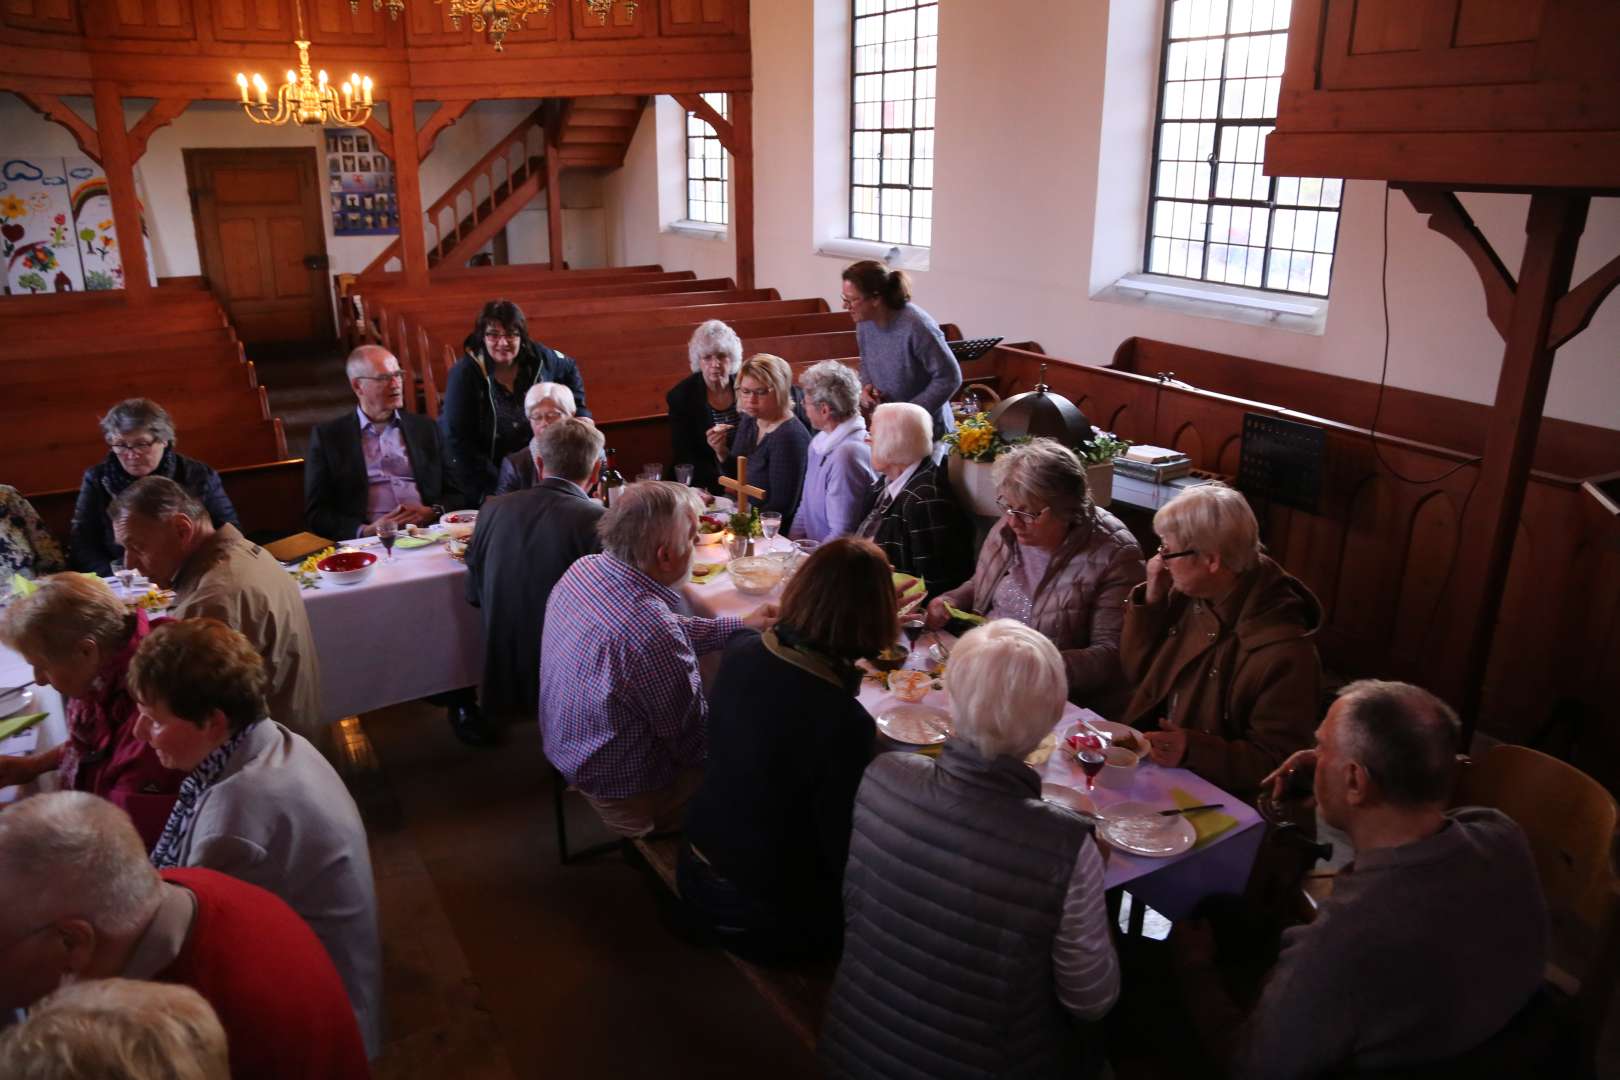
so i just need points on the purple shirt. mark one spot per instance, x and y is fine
(390, 481)
(621, 702)
(837, 483)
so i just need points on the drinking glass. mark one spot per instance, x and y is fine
(806, 548)
(652, 470)
(770, 523)
(386, 532)
(683, 474)
(1091, 762)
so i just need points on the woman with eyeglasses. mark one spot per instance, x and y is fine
(140, 442)
(903, 352)
(1058, 563)
(482, 417)
(770, 435)
(544, 405)
(1219, 644)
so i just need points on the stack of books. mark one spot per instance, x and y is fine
(1155, 464)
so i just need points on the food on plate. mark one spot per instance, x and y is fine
(911, 685)
(889, 659)
(156, 599)
(308, 565)
(703, 573)
(459, 530)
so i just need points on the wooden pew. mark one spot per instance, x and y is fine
(133, 341)
(584, 337)
(53, 393)
(79, 328)
(268, 496)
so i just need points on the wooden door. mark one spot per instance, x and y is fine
(263, 243)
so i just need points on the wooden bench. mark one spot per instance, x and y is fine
(130, 341)
(797, 993)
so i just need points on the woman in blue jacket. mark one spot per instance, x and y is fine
(482, 415)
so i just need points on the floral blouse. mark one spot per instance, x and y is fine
(26, 546)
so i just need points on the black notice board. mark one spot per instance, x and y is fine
(1281, 461)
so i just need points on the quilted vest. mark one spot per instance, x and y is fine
(952, 896)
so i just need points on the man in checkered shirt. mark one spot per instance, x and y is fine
(622, 710)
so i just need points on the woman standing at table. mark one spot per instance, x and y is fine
(768, 832)
(703, 406)
(1059, 563)
(79, 638)
(770, 435)
(903, 352)
(975, 924)
(838, 478)
(482, 417)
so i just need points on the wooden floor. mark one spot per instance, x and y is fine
(500, 963)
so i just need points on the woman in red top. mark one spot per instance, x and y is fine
(79, 638)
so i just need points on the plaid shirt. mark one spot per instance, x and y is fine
(621, 701)
(922, 529)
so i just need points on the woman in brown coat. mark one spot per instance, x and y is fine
(1058, 564)
(1218, 642)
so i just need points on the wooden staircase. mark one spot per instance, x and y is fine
(591, 133)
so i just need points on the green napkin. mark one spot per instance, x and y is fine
(1208, 824)
(703, 573)
(8, 728)
(21, 586)
(407, 543)
(965, 616)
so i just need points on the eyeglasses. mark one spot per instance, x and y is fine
(490, 335)
(1166, 556)
(387, 376)
(1025, 516)
(756, 393)
(549, 415)
(851, 301)
(133, 448)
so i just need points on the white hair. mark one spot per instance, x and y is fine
(712, 337)
(360, 360)
(1213, 519)
(72, 854)
(902, 433)
(556, 393)
(646, 516)
(118, 1027)
(1008, 686)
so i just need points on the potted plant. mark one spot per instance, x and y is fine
(742, 527)
(1098, 455)
(975, 445)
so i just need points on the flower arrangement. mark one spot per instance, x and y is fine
(745, 524)
(1103, 447)
(976, 439)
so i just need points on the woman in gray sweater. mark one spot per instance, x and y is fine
(903, 353)
(260, 802)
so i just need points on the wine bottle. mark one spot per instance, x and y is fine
(613, 482)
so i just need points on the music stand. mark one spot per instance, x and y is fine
(972, 348)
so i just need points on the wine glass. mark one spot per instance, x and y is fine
(683, 474)
(387, 531)
(1091, 759)
(912, 625)
(652, 470)
(770, 523)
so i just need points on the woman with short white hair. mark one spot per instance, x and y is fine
(838, 477)
(913, 516)
(118, 1027)
(1219, 645)
(1056, 562)
(933, 887)
(544, 404)
(703, 406)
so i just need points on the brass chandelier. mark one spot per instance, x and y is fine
(306, 98)
(499, 16)
(394, 7)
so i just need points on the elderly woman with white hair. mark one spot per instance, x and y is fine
(544, 404)
(1059, 563)
(703, 406)
(140, 442)
(1218, 642)
(913, 516)
(934, 890)
(838, 478)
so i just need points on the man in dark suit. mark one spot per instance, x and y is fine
(524, 542)
(381, 463)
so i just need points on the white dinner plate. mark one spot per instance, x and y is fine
(1069, 797)
(915, 725)
(15, 701)
(1139, 829)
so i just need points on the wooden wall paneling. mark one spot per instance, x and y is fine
(254, 20)
(677, 18)
(1370, 45)
(621, 22)
(153, 20)
(55, 16)
(1492, 22)
(116, 160)
(331, 22)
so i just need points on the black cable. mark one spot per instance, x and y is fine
(1383, 381)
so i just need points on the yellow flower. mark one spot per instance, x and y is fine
(105, 225)
(11, 207)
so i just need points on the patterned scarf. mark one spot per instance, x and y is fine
(177, 830)
(115, 479)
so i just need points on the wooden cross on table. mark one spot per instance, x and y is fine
(741, 487)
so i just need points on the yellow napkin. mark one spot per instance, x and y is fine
(8, 728)
(1207, 823)
(966, 616)
(21, 586)
(703, 573)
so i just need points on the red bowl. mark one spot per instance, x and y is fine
(347, 567)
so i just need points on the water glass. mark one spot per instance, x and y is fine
(652, 470)
(806, 548)
(683, 474)
(770, 523)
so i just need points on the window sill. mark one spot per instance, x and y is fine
(894, 256)
(697, 230)
(1252, 307)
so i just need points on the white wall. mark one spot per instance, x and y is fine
(161, 177)
(1036, 196)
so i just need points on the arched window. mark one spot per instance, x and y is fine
(707, 167)
(891, 175)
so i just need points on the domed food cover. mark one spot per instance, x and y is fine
(1040, 412)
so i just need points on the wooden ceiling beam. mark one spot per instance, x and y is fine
(161, 114)
(446, 114)
(380, 135)
(722, 127)
(1448, 218)
(54, 109)
(1575, 309)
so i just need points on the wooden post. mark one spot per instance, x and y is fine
(742, 183)
(1554, 229)
(408, 186)
(554, 229)
(113, 138)
(740, 487)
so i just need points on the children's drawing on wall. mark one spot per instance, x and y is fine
(360, 180)
(56, 227)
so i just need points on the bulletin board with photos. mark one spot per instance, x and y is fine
(360, 185)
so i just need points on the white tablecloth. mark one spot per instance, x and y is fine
(52, 731)
(405, 632)
(1173, 886)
